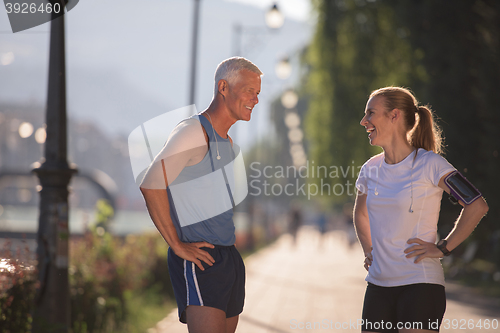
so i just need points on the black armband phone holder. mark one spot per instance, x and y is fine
(461, 188)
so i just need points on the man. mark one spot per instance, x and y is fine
(194, 214)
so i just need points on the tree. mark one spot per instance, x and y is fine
(447, 53)
(460, 50)
(358, 47)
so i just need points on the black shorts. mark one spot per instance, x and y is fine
(220, 286)
(413, 306)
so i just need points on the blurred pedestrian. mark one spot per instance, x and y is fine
(396, 214)
(348, 226)
(195, 212)
(321, 222)
(295, 220)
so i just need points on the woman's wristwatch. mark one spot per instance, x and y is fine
(441, 245)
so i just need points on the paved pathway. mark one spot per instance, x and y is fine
(320, 282)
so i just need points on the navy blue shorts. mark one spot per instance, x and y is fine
(220, 286)
(412, 306)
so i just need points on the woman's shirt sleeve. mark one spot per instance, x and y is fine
(362, 181)
(437, 167)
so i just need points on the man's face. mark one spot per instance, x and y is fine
(243, 94)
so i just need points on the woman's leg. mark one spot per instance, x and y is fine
(421, 308)
(379, 309)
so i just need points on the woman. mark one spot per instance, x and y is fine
(396, 214)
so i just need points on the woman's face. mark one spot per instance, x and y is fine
(377, 122)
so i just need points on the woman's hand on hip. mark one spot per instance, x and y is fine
(422, 250)
(368, 260)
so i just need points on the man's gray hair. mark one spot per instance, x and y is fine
(229, 68)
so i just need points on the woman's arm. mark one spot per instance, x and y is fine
(467, 221)
(362, 227)
(465, 224)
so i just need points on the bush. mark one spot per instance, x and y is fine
(106, 275)
(105, 271)
(17, 290)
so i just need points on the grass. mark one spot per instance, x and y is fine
(147, 309)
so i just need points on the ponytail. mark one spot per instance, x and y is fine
(426, 134)
(422, 131)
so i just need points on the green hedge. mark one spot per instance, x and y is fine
(17, 290)
(106, 273)
(106, 270)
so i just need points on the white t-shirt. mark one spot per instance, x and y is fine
(392, 224)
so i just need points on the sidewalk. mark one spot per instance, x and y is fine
(320, 283)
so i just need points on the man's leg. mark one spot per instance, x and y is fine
(231, 324)
(205, 319)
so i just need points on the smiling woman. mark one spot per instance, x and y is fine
(397, 210)
(426, 134)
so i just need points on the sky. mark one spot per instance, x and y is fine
(295, 9)
(127, 64)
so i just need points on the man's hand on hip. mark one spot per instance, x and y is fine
(193, 253)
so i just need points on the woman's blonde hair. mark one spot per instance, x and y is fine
(421, 128)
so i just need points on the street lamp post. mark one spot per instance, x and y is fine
(194, 52)
(52, 303)
(274, 20)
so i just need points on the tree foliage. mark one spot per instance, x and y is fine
(355, 50)
(445, 52)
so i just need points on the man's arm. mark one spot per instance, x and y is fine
(184, 147)
(159, 210)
